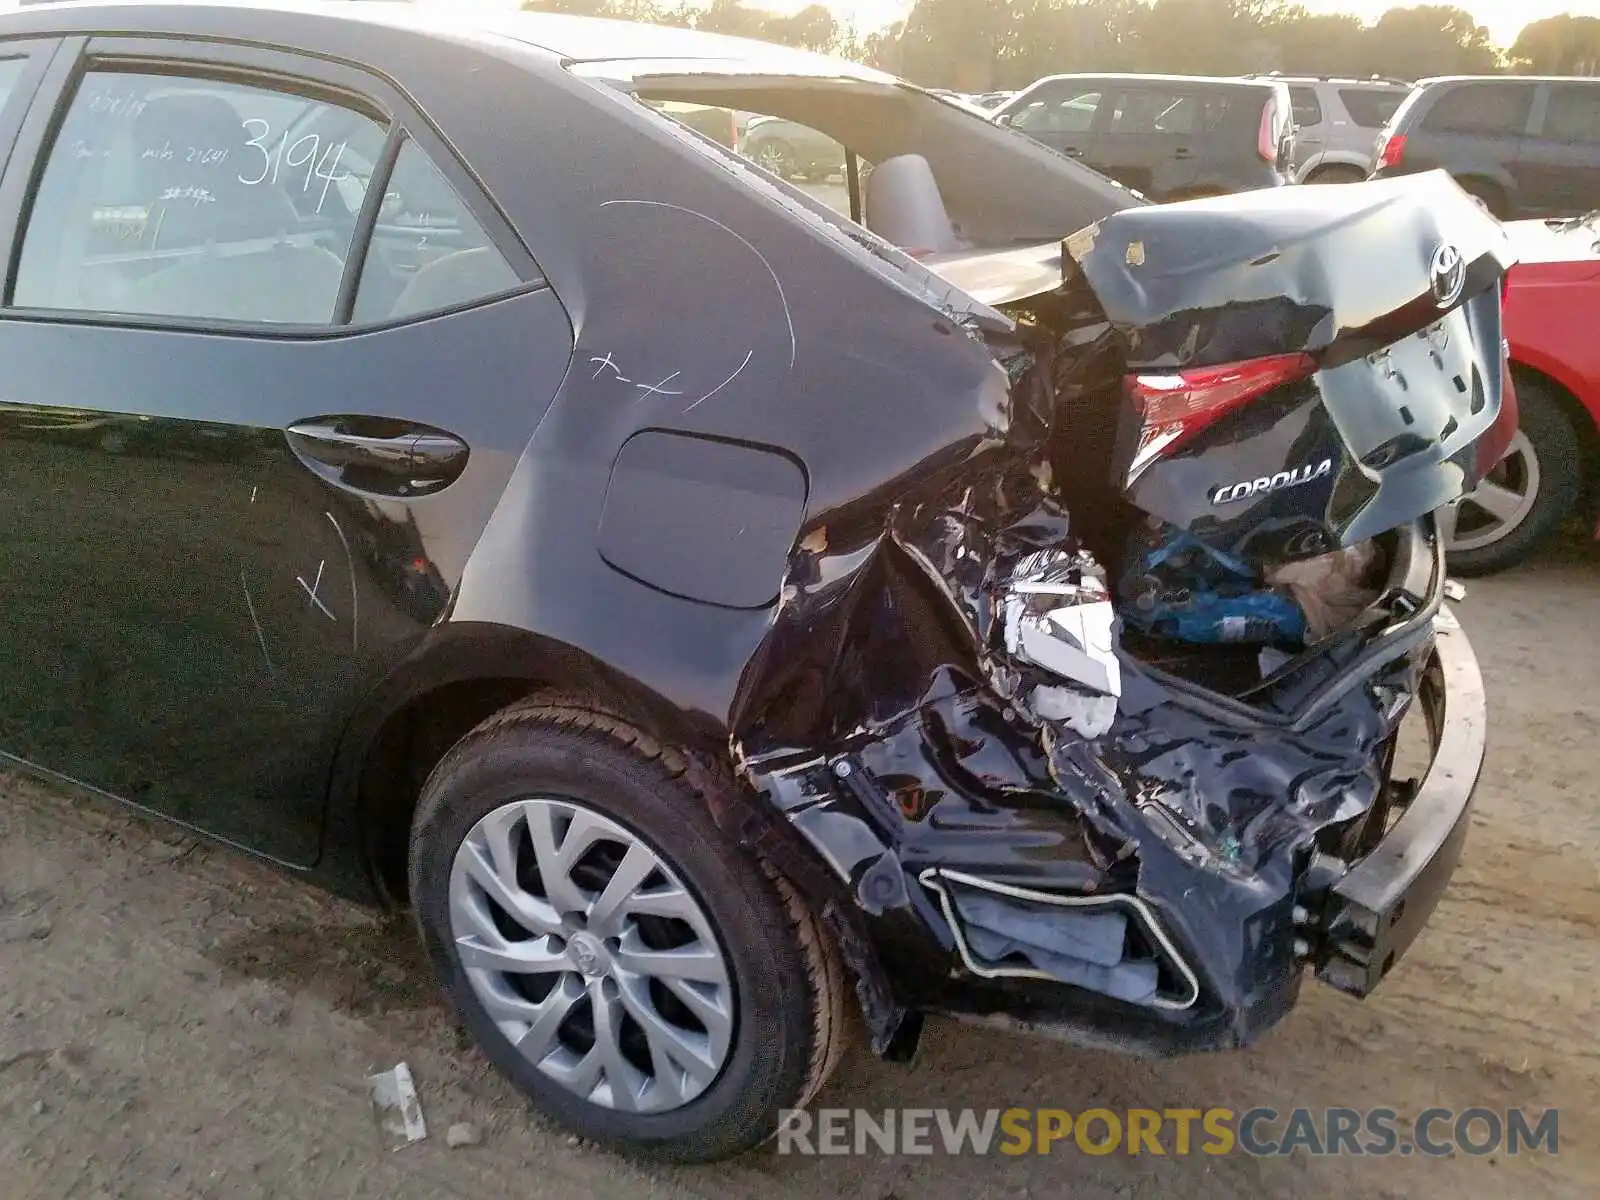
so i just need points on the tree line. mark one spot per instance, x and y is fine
(976, 45)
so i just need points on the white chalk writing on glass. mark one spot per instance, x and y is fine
(320, 161)
(199, 156)
(199, 195)
(108, 104)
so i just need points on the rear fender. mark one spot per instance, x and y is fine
(507, 665)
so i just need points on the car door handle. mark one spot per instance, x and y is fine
(416, 458)
(1072, 151)
(1181, 152)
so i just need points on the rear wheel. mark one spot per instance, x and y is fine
(1528, 493)
(778, 157)
(638, 975)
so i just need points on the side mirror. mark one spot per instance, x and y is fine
(1003, 119)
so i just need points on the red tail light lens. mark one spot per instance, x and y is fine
(1176, 407)
(1267, 133)
(1392, 150)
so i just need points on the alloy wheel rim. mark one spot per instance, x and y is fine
(1498, 505)
(774, 160)
(591, 956)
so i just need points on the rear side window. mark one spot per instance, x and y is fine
(1573, 114)
(1158, 110)
(1371, 108)
(192, 197)
(428, 252)
(1481, 108)
(1067, 111)
(10, 74)
(186, 197)
(1307, 108)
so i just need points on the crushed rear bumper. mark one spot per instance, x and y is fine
(1374, 911)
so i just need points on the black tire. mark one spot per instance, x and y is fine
(788, 983)
(1337, 173)
(1555, 444)
(778, 157)
(1491, 195)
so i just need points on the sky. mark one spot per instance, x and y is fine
(1505, 18)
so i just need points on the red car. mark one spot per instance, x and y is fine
(1552, 311)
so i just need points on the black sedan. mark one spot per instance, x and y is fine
(429, 466)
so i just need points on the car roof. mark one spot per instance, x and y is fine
(573, 38)
(1436, 80)
(1136, 77)
(1336, 80)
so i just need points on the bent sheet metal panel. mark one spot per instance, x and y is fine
(707, 310)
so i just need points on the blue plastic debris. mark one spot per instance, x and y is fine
(1178, 587)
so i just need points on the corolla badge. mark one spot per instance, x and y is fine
(1245, 489)
(1447, 275)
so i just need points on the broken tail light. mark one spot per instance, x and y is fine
(1391, 149)
(1177, 406)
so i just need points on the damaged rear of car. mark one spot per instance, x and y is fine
(1012, 603)
(1027, 627)
(1111, 752)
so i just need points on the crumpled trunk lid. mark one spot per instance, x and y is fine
(1305, 367)
(1279, 373)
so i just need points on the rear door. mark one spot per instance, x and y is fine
(1312, 123)
(266, 360)
(1476, 130)
(1154, 138)
(1559, 164)
(1062, 114)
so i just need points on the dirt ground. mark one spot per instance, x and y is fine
(177, 1021)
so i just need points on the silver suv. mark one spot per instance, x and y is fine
(1339, 121)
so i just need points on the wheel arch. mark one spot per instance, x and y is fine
(1334, 160)
(1583, 419)
(462, 674)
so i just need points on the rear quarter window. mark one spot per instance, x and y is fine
(1573, 114)
(1371, 108)
(1481, 108)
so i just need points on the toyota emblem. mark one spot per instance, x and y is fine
(1447, 275)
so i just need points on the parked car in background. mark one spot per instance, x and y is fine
(791, 150)
(1552, 296)
(1169, 137)
(1525, 146)
(721, 125)
(1337, 122)
(991, 99)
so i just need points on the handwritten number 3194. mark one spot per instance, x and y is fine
(321, 162)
